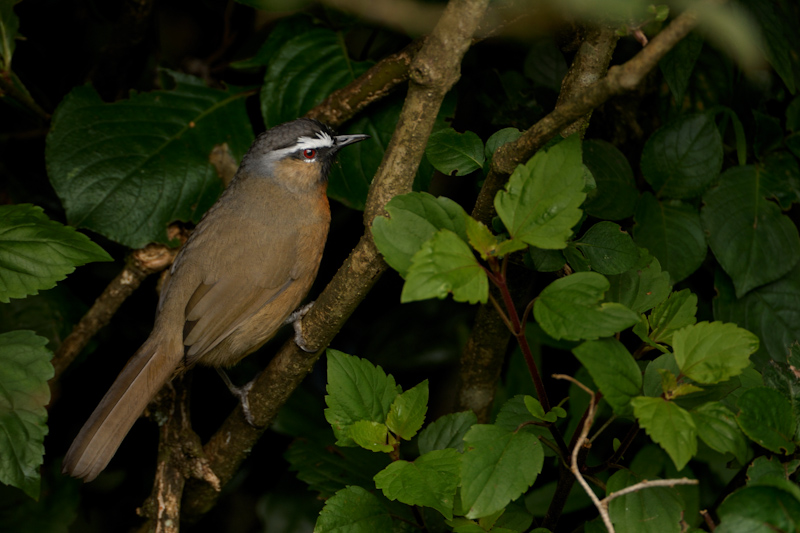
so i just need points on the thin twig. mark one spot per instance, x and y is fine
(648, 484)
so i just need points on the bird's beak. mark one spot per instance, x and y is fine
(344, 140)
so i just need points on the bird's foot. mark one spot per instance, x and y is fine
(296, 320)
(243, 393)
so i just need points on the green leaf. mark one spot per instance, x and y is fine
(652, 510)
(608, 248)
(780, 178)
(453, 153)
(615, 196)
(670, 426)
(678, 63)
(127, 170)
(407, 413)
(672, 232)
(24, 371)
(497, 467)
(576, 259)
(446, 432)
(535, 408)
(765, 416)
(759, 509)
(36, 252)
(746, 232)
(713, 352)
(642, 287)
(716, 426)
(763, 468)
(353, 510)
(570, 308)
(776, 22)
(444, 265)
(302, 71)
(613, 370)
(413, 219)
(498, 139)
(372, 436)
(784, 377)
(546, 260)
(357, 390)
(683, 157)
(9, 24)
(486, 244)
(676, 312)
(541, 201)
(430, 481)
(769, 311)
(327, 469)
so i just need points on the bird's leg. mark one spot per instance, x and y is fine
(295, 319)
(241, 393)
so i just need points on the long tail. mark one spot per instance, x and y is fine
(147, 371)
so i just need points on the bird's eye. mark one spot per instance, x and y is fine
(309, 153)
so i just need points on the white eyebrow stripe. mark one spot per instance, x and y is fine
(322, 140)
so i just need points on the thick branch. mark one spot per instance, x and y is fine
(433, 72)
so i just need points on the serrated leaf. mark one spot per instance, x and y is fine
(670, 426)
(327, 469)
(357, 390)
(446, 432)
(615, 196)
(713, 352)
(430, 481)
(497, 467)
(672, 232)
(642, 287)
(487, 244)
(676, 312)
(613, 370)
(683, 157)
(609, 250)
(745, 231)
(570, 308)
(372, 436)
(413, 219)
(652, 510)
(36, 252)
(302, 71)
(717, 427)
(128, 169)
(445, 265)
(24, 371)
(541, 202)
(353, 510)
(453, 153)
(407, 413)
(766, 417)
(770, 467)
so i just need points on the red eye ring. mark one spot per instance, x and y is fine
(309, 153)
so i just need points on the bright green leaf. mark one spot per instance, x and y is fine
(672, 232)
(541, 201)
(413, 219)
(670, 426)
(357, 390)
(353, 510)
(615, 196)
(128, 169)
(613, 370)
(497, 467)
(407, 413)
(453, 153)
(713, 352)
(609, 250)
(430, 481)
(486, 244)
(24, 371)
(372, 436)
(446, 432)
(445, 265)
(765, 416)
(676, 312)
(36, 252)
(746, 232)
(683, 157)
(570, 308)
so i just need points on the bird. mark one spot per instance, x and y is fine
(245, 268)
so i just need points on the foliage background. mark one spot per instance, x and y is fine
(506, 81)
